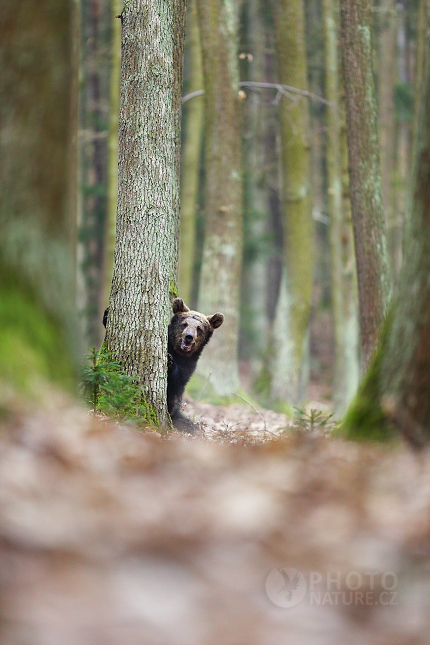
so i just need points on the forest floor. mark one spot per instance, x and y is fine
(256, 531)
(245, 423)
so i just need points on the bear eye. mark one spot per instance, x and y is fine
(184, 325)
(199, 331)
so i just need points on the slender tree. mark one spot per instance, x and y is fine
(288, 355)
(403, 132)
(343, 279)
(254, 318)
(115, 71)
(93, 166)
(190, 166)
(396, 391)
(145, 263)
(222, 253)
(386, 117)
(365, 172)
(38, 110)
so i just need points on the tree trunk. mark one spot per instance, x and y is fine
(403, 142)
(190, 168)
(365, 172)
(222, 252)
(38, 106)
(254, 318)
(94, 93)
(386, 120)
(145, 263)
(289, 382)
(396, 390)
(115, 72)
(343, 293)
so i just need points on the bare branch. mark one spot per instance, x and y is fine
(286, 90)
(192, 95)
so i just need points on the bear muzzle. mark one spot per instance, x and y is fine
(187, 342)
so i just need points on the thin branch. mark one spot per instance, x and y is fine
(286, 90)
(192, 95)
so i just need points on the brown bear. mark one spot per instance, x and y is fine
(189, 332)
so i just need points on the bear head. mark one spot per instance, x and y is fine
(189, 331)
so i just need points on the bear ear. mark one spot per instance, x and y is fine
(179, 306)
(216, 320)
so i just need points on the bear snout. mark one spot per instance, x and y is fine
(187, 342)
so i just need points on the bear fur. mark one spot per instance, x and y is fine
(189, 332)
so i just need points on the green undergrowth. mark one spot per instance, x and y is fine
(314, 420)
(108, 389)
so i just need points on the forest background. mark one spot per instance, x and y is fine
(290, 339)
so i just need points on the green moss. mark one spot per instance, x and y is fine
(365, 420)
(32, 345)
(173, 289)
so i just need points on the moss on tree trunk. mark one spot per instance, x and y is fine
(396, 389)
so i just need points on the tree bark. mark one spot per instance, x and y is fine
(386, 119)
(365, 172)
(38, 99)
(343, 279)
(190, 168)
(94, 93)
(288, 381)
(402, 138)
(254, 318)
(396, 390)
(145, 264)
(222, 253)
(115, 72)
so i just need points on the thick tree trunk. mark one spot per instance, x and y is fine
(222, 252)
(290, 381)
(191, 153)
(396, 391)
(145, 261)
(365, 172)
(38, 90)
(343, 293)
